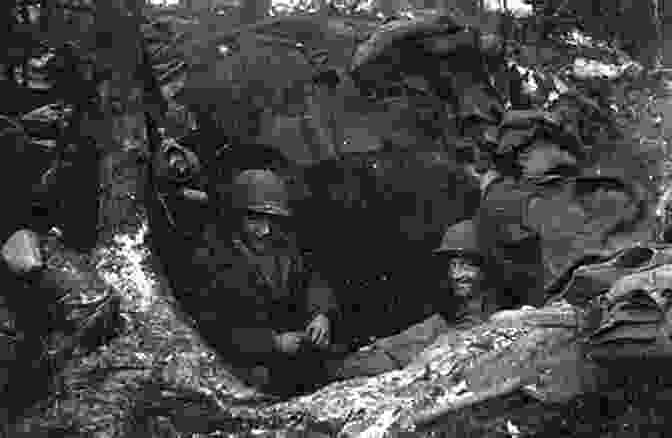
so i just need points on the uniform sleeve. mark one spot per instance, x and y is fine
(253, 340)
(232, 326)
(320, 297)
(239, 323)
(227, 317)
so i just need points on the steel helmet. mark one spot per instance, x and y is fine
(177, 163)
(261, 191)
(460, 239)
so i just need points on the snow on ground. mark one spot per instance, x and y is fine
(517, 7)
(122, 265)
(590, 68)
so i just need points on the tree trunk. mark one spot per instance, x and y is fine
(323, 8)
(254, 10)
(391, 7)
(461, 369)
(317, 121)
(119, 128)
(164, 378)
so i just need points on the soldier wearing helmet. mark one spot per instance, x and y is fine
(462, 275)
(277, 313)
(540, 214)
(495, 260)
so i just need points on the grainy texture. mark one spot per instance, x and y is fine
(160, 368)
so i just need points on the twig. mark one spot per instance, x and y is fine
(424, 419)
(175, 69)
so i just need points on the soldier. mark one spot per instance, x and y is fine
(276, 314)
(501, 250)
(458, 252)
(540, 214)
(495, 251)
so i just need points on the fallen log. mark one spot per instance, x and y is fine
(159, 368)
(461, 369)
(432, 416)
(160, 376)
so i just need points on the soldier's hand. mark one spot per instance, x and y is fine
(319, 330)
(21, 252)
(289, 342)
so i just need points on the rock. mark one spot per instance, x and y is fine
(21, 252)
(60, 312)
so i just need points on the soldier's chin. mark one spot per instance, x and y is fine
(464, 290)
(261, 245)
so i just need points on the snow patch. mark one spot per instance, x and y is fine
(590, 68)
(512, 429)
(577, 38)
(664, 202)
(122, 265)
(517, 7)
(382, 425)
(530, 84)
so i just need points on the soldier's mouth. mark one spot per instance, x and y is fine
(464, 286)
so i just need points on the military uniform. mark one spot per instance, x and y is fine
(510, 244)
(502, 246)
(530, 233)
(506, 244)
(241, 299)
(259, 294)
(524, 237)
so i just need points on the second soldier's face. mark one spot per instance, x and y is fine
(260, 231)
(464, 275)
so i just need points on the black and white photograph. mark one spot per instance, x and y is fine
(336, 218)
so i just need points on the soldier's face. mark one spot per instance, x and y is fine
(260, 231)
(464, 276)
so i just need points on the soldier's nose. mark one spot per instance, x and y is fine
(262, 229)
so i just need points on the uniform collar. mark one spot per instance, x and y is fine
(254, 260)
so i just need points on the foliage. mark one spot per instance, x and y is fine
(612, 21)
